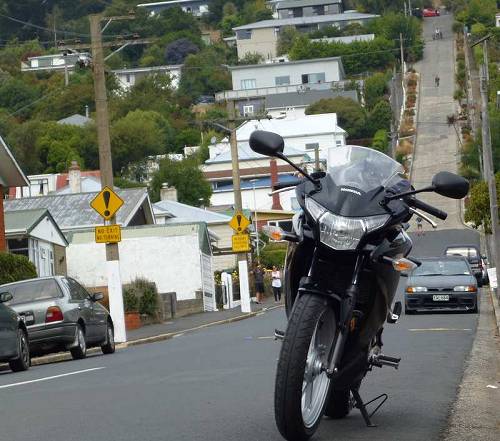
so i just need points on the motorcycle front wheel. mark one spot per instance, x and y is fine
(302, 384)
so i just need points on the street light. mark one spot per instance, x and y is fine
(253, 181)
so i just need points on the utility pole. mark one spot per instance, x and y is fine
(316, 159)
(106, 168)
(402, 56)
(488, 170)
(238, 207)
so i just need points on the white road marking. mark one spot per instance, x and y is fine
(5, 386)
(267, 337)
(438, 329)
(492, 387)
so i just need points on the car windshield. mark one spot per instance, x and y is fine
(32, 291)
(361, 168)
(442, 268)
(469, 252)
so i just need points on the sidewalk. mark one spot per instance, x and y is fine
(196, 321)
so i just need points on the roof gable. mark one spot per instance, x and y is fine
(11, 174)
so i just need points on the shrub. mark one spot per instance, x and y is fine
(142, 296)
(14, 268)
(380, 141)
(130, 300)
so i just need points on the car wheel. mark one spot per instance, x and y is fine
(79, 351)
(24, 361)
(109, 346)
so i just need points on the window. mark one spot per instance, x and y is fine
(313, 78)
(249, 84)
(77, 292)
(297, 12)
(282, 81)
(244, 34)
(318, 10)
(338, 143)
(248, 110)
(312, 146)
(34, 291)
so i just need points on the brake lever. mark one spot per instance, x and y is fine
(424, 217)
(281, 190)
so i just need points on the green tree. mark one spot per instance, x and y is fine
(15, 95)
(138, 135)
(286, 39)
(186, 177)
(351, 116)
(376, 87)
(380, 117)
(381, 141)
(477, 210)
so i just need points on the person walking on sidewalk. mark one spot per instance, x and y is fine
(258, 274)
(276, 283)
(420, 232)
(436, 80)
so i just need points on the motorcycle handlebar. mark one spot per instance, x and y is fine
(415, 203)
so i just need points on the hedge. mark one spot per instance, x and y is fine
(14, 267)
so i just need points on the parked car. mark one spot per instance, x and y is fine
(441, 283)
(430, 12)
(14, 347)
(473, 256)
(60, 314)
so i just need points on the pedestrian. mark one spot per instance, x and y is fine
(259, 283)
(276, 283)
(419, 226)
(436, 80)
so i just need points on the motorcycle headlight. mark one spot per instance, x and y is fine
(343, 233)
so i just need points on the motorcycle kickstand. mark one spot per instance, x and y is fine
(362, 406)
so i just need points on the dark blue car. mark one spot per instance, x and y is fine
(14, 346)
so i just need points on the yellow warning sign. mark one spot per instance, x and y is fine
(107, 203)
(108, 234)
(239, 222)
(241, 243)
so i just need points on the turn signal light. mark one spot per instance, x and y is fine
(465, 288)
(274, 233)
(403, 265)
(53, 314)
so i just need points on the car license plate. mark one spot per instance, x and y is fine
(440, 298)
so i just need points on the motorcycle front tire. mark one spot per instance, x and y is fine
(309, 314)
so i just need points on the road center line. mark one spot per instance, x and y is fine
(438, 329)
(5, 386)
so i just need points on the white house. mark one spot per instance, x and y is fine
(308, 8)
(66, 60)
(196, 7)
(127, 78)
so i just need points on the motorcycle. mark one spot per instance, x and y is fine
(347, 250)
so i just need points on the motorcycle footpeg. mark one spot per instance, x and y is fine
(279, 335)
(383, 357)
(383, 360)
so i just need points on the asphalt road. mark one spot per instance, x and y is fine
(217, 384)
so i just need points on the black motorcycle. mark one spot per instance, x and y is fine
(346, 253)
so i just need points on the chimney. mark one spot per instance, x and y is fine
(168, 193)
(75, 178)
(274, 179)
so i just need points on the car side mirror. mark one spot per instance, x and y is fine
(5, 297)
(267, 143)
(97, 296)
(450, 185)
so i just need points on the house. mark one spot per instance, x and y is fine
(168, 211)
(36, 235)
(66, 60)
(178, 258)
(127, 78)
(73, 212)
(11, 175)
(273, 88)
(75, 181)
(308, 8)
(348, 39)
(196, 7)
(258, 174)
(77, 120)
(262, 37)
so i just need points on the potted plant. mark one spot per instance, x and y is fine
(131, 306)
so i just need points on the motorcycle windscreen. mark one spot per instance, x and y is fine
(361, 168)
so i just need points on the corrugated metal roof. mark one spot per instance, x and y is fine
(245, 153)
(305, 3)
(72, 211)
(23, 220)
(183, 213)
(76, 120)
(298, 21)
(293, 99)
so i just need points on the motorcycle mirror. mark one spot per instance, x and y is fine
(267, 143)
(450, 185)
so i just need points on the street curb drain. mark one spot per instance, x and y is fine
(66, 356)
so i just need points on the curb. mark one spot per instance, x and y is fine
(496, 310)
(66, 356)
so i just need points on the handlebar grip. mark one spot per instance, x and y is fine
(415, 203)
(280, 185)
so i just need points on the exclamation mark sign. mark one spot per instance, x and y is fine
(238, 218)
(106, 195)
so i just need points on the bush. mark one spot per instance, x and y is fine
(380, 141)
(14, 268)
(142, 296)
(273, 255)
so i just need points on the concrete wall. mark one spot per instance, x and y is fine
(263, 41)
(173, 263)
(265, 75)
